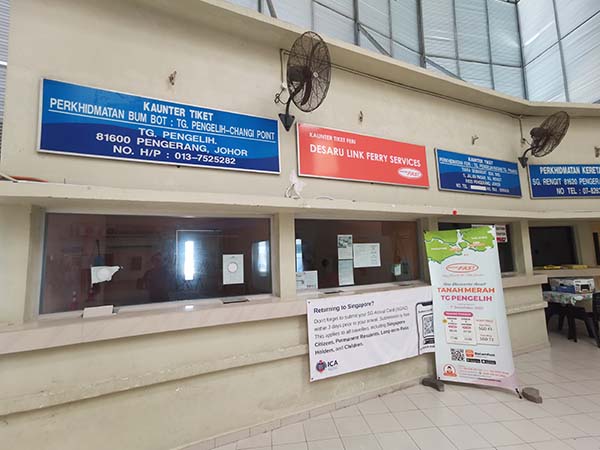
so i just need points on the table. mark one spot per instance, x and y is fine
(569, 301)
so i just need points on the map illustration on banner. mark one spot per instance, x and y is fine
(84, 121)
(341, 155)
(472, 342)
(477, 174)
(564, 180)
(355, 332)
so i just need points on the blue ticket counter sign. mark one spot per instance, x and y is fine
(85, 121)
(564, 180)
(476, 174)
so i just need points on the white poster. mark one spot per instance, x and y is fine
(233, 269)
(344, 246)
(355, 332)
(345, 272)
(307, 281)
(471, 328)
(366, 255)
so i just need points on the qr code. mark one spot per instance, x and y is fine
(457, 354)
(428, 325)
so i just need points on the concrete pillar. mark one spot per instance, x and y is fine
(14, 257)
(284, 266)
(522, 247)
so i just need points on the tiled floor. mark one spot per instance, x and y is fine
(464, 417)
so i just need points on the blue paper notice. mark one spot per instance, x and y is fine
(564, 180)
(84, 121)
(476, 174)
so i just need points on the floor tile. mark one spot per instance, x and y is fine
(318, 430)
(559, 428)
(585, 423)
(588, 443)
(426, 401)
(516, 447)
(382, 423)
(260, 440)
(581, 404)
(549, 390)
(442, 417)
(411, 420)
(527, 409)
(454, 399)
(500, 412)
(528, 431)
(223, 447)
(368, 442)
(349, 411)
(557, 407)
(328, 444)
(431, 439)
(480, 396)
(464, 437)
(497, 434)
(471, 414)
(550, 445)
(373, 406)
(399, 440)
(288, 434)
(352, 426)
(295, 446)
(397, 402)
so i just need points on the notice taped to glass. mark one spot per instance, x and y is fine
(85, 121)
(355, 332)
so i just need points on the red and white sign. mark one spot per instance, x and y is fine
(327, 153)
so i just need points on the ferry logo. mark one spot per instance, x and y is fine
(410, 173)
(449, 370)
(462, 267)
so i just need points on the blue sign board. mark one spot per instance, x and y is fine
(85, 121)
(477, 174)
(564, 180)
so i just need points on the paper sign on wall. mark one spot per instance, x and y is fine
(366, 255)
(501, 233)
(307, 281)
(344, 245)
(345, 272)
(233, 269)
(471, 328)
(371, 329)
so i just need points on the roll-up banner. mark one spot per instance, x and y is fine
(471, 329)
(355, 332)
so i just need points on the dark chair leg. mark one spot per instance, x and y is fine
(561, 320)
(589, 325)
(571, 322)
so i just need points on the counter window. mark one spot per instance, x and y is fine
(155, 259)
(552, 246)
(357, 252)
(505, 252)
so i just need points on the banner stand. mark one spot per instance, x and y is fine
(472, 340)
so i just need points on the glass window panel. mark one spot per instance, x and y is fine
(552, 246)
(509, 80)
(333, 24)
(572, 13)
(405, 23)
(582, 62)
(4, 24)
(504, 33)
(397, 243)
(2, 93)
(450, 65)
(402, 53)
(381, 40)
(477, 73)
(298, 12)
(538, 29)
(375, 14)
(162, 259)
(438, 28)
(545, 78)
(345, 7)
(472, 30)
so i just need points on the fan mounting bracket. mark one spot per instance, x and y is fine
(287, 120)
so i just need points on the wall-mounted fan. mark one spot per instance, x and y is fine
(308, 75)
(547, 136)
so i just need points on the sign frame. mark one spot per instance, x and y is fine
(39, 149)
(495, 194)
(298, 124)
